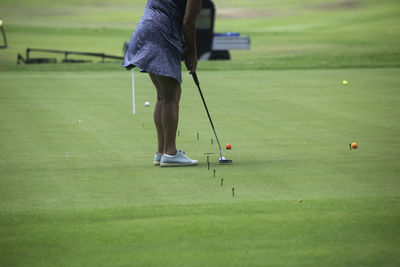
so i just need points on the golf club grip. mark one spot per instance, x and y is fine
(196, 80)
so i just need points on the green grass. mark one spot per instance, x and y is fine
(281, 105)
(330, 231)
(106, 205)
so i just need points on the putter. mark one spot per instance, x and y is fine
(222, 160)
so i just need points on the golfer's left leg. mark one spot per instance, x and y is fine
(157, 117)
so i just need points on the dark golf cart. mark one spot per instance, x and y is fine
(216, 46)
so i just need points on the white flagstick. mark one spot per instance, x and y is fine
(133, 91)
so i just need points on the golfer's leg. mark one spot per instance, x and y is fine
(170, 93)
(157, 116)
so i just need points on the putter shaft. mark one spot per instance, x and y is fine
(196, 80)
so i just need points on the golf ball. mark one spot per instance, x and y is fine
(147, 104)
(300, 200)
(1, 22)
(79, 121)
(354, 145)
(228, 146)
(345, 82)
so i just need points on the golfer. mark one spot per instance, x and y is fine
(165, 34)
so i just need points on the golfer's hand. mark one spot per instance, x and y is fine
(191, 63)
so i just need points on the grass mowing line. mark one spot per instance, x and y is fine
(332, 231)
(271, 208)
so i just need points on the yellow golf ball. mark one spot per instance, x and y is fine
(345, 82)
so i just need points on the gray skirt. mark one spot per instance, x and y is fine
(156, 47)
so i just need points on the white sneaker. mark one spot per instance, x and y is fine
(157, 159)
(179, 160)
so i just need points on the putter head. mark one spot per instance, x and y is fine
(223, 160)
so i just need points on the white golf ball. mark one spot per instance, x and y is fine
(147, 104)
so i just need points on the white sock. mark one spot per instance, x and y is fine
(168, 156)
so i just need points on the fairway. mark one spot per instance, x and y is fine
(77, 183)
(290, 141)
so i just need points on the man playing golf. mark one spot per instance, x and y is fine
(157, 47)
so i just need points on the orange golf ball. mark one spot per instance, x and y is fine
(228, 146)
(354, 145)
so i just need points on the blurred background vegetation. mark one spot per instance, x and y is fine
(285, 34)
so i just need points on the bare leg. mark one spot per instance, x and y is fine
(167, 111)
(157, 117)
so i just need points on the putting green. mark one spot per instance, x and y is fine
(290, 130)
